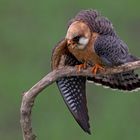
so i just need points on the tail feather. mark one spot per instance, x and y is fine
(123, 81)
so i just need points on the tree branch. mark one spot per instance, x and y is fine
(29, 96)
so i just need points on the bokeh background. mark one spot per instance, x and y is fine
(29, 30)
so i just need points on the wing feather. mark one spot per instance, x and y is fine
(72, 89)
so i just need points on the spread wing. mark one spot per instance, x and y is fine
(73, 89)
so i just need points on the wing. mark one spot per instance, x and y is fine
(59, 50)
(111, 50)
(73, 89)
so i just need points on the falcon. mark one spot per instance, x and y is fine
(91, 40)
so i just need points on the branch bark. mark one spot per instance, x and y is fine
(29, 96)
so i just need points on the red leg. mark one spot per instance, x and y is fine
(81, 66)
(95, 68)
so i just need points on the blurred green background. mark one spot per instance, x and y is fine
(28, 32)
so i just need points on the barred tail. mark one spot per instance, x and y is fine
(127, 81)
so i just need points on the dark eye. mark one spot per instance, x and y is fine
(76, 39)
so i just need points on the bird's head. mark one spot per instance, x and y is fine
(78, 35)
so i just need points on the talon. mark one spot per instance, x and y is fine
(95, 68)
(81, 66)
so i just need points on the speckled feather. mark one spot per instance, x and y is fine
(111, 50)
(73, 90)
(127, 81)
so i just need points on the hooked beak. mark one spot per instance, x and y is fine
(71, 43)
(69, 37)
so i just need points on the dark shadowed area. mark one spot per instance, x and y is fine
(28, 32)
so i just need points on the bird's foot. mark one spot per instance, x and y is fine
(95, 68)
(81, 66)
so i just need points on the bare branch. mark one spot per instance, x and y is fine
(29, 96)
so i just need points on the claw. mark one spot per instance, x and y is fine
(95, 68)
(81, 66)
